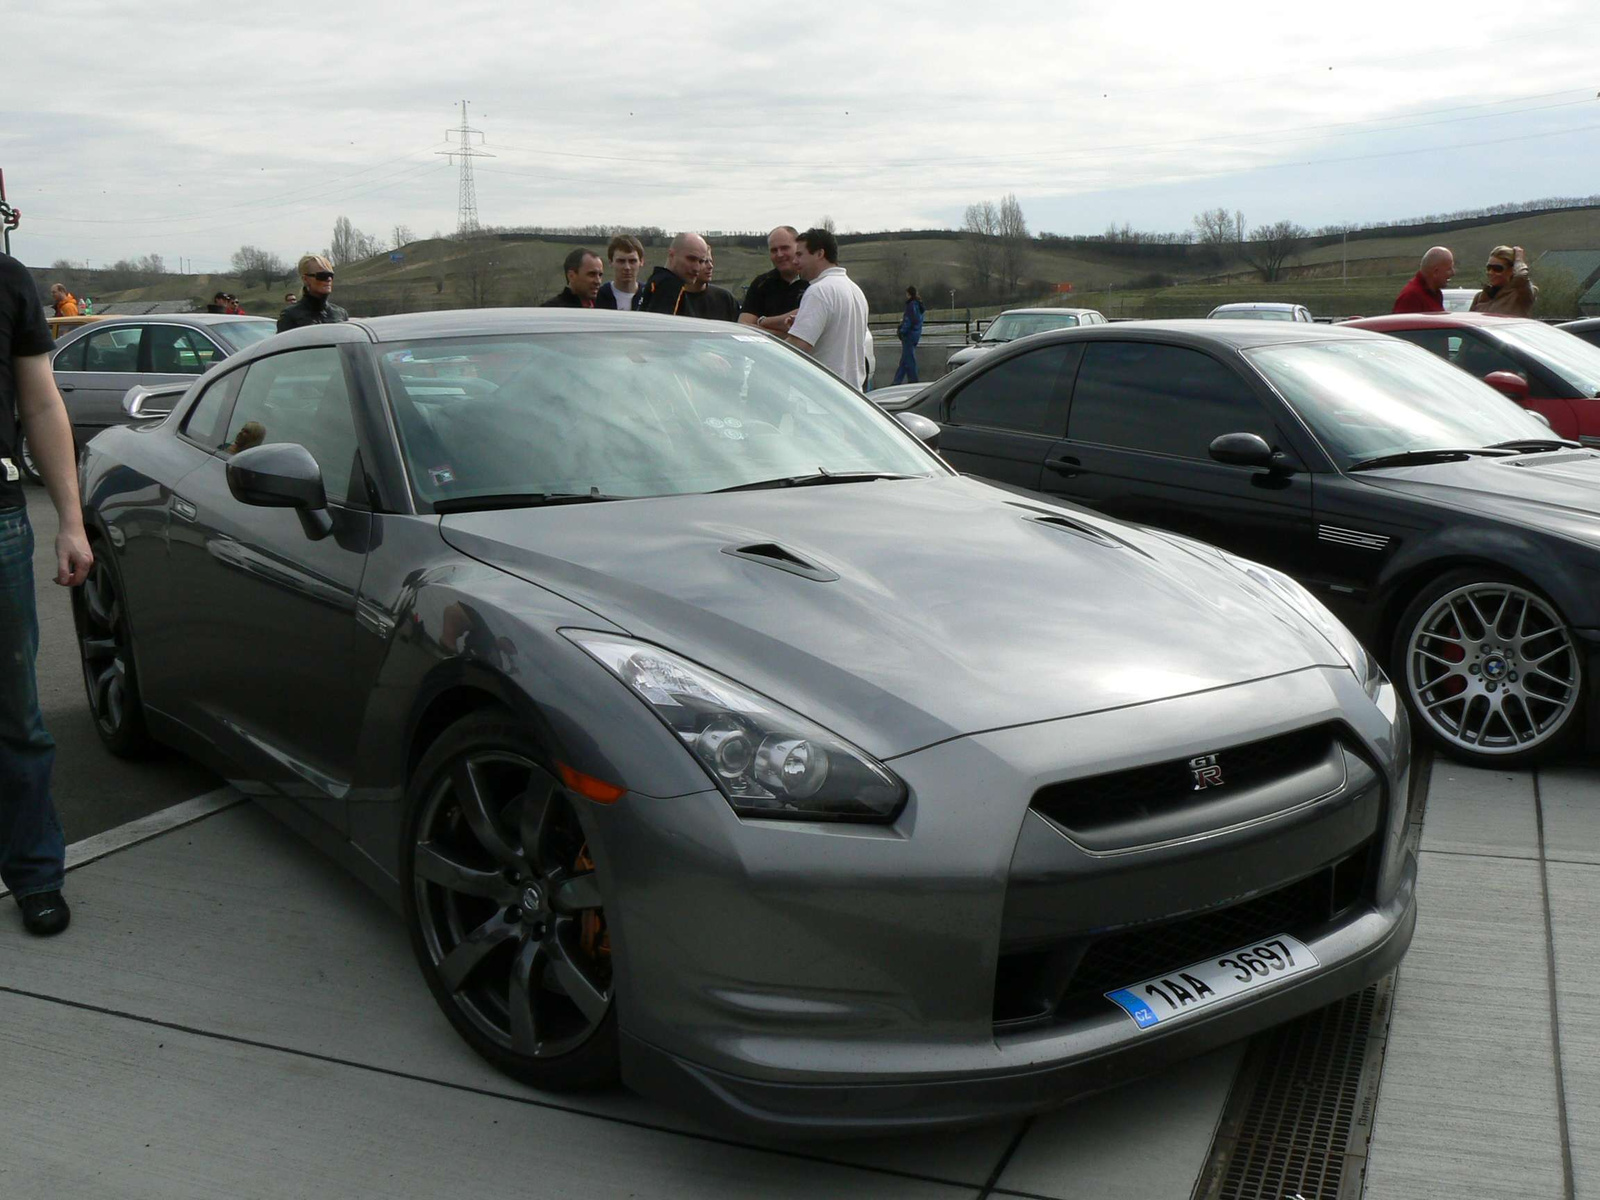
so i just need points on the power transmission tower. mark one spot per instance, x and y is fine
(466, 150)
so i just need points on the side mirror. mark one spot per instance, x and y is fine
(152, 400)
(282, 475)
(925, 430)
(1509, 384)
(1245, 450)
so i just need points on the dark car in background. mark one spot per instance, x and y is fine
(1447, 526)
(97, 362)
(1542, 367)
(707, 729)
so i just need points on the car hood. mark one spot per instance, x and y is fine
(901, 613)
(1557, 487)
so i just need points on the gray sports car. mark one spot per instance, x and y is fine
(708, 730)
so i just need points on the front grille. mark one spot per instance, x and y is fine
(1087, 805)
(1069, 980)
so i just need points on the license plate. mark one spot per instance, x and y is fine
(1175, 995)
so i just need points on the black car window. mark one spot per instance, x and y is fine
(177, 350)
(1443, 342)
(113, 349)
(205, 423)
(1476, 355)
(71, 358)
(1025, 393)
(1161, 399)
(299, 397)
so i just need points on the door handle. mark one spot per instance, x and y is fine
(1065, 465)
(183, 508)
(66, 387)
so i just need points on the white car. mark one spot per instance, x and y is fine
(1019, 323)
(1459, 299)
(1260, 310)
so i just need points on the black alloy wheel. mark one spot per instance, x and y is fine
(505, 908)
(106, 647)
(1490, 668)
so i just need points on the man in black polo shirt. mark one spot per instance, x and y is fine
(32, 849)
(773, 297)
(585, 274)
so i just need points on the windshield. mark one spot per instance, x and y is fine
(1366, 399)
(1254, 314)
(1008, 327)
(1568, 355)
(239, 335)
(622, 414)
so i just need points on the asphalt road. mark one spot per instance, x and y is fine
(94, 790)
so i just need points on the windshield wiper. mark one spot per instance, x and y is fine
(817, 479)
(455, 504)
(1534, 445)
(1438, 454)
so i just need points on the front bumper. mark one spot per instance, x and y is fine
(813, 980)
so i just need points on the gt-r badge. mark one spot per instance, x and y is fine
(1206, 772)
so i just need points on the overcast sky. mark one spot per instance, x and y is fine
(187, 129)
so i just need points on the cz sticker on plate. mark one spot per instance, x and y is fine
(1178, 994)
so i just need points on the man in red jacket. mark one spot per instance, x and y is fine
(1425, 292)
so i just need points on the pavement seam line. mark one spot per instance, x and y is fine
(1569, 1184)
(529, 1101)
(147, 828)
(1005, 1159)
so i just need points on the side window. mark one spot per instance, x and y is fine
(1026, 393)
(1443, 342)
(113, 349)
(177, 350)
(71, 359)
(1161, 399)
(299, 397)
(204, 424)
(1476, 356)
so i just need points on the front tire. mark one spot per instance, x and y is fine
(105, 646)
(1490, 668)
(504, 907)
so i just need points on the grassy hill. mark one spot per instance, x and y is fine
(524, 270)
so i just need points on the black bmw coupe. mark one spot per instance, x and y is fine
(1449, 528)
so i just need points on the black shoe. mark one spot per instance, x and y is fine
(45, 913)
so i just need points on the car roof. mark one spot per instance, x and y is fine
(1240, 335)
(193, 320)
(1584, 323)
(1439, 320)
(1259, 306)
(480, 321)
(1048, 311)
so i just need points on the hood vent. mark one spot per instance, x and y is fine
(773, 555)
(1071, 526)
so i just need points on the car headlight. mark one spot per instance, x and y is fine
(1363, 664)
(768, 760)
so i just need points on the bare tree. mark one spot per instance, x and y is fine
(401, 235)
(151, 264)
(350, 244)
(1271, 246)
(257, 266)
(1014, 240)
(1218, 231)
(478, 279)
(981, 226)
(827, 223)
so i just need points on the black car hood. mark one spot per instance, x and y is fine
(1561, 486)
(918, 610)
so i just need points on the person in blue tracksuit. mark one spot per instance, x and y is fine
(909, 333)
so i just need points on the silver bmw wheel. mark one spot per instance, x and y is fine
(1492, 670)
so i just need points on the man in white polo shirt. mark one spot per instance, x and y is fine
(831, 324)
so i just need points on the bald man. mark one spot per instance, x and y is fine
(1425, 292)
(683, 287)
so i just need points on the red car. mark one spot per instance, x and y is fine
(1541, 367)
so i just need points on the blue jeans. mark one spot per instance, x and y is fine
(907, 370)
(32, 850)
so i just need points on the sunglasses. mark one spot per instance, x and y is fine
(1495, 267)
(321, 276)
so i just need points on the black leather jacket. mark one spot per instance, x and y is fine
(310, 310)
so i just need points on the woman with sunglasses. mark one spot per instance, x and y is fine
(313, 307)
(1507, 289)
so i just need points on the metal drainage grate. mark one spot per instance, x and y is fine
(1300, 1116)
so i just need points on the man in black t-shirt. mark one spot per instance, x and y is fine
(32, 849)
(774, 297)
